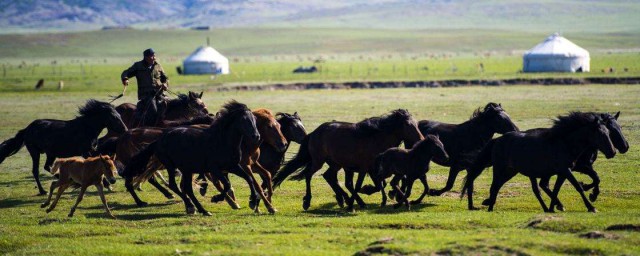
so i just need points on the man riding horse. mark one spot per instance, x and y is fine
(152, 82)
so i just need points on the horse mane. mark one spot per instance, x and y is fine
(262, 114)
(564, 125)
(226, 114)
(385, 123)
(182, 99)
(94, 107)
(480, 113)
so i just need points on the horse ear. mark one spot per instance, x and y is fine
(200, 96)
(617, 115)
(296, 114)
(499, 104)
(191, 95)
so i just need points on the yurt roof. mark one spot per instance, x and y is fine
(557, 45)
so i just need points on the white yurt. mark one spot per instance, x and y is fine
(205, 60)
(556, 54)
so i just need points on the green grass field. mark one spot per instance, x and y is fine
(441, 225)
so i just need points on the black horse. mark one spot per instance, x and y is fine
(463, 141)
(584, 164)
(293, 130)
(194, 150)
(57, 138)
(407, 165)
(541, 154)
(352, 146)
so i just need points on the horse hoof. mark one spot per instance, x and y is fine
(207, 214)
(486, 202)
(392, 194)
(472, 208)
(253, 204)
(560, 208)
(191, 211)
(43, 205)
(235, 206)
(113, 217)
(142, 204)
(305, 205)
(593, 197)
(273, 211)
(70, 215)
(340, 201)
(203, 191)
(593, 210)
(42, 193)
(48, 210)
(217, 198)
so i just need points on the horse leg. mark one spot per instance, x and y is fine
(536, 191)
(544, 184)
(381, 185)
(61, 189)
(453, 173)
(186, 184)
(500, 176)
(164, 191)
(258, 189)
(331, 176)
(174, 187)
(80, 196)
(48, 162)
(35, 158)
(203, 185)
(132, 191)
(266, 179)
(423, 180)
(104, 200)
(222, 196)
(348, 182)
(567, 173)
(398, 192)
(54, 185)
(595, 184)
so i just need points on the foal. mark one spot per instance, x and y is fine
(77, 171)
(408, 165)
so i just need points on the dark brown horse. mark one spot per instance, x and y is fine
(353, 147)
(194, 151)
(407, 165)
(57, 138)
(463, 141)
(541, 154)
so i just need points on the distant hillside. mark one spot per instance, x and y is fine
(596, 16)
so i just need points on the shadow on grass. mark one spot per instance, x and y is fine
(132, 205)
(134, 217)
(10, 203)
(389, 209)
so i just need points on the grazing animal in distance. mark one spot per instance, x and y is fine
(80, 172)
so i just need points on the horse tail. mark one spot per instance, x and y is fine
(482, 161)
(303, 158)
(108, 146)
(11, 146)
(138, 163)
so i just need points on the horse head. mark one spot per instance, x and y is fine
(196, 104)
(498, 118)
(600, 138)
(242, 120)
(437, 148)
(292, 127)
(410, 132)
(615, 132)
(269, 129)
(110, 171)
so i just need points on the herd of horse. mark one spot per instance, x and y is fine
(242, 141)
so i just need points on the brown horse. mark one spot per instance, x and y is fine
(77, 171)
(353, 147)
(408, 166)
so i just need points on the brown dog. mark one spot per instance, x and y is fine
(80, 172)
